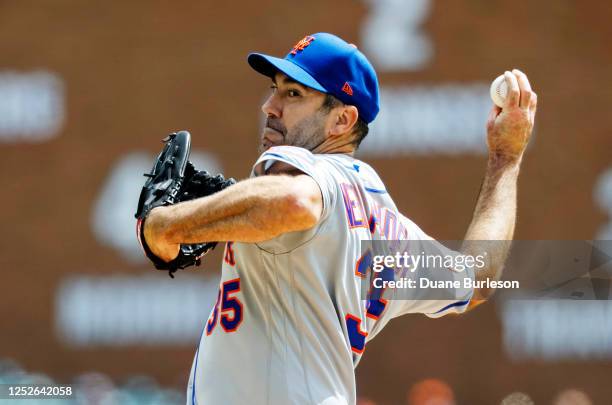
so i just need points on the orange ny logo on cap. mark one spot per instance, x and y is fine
(347, 89)
(302, 43)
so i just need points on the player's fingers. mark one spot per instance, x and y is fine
(492, 115)
(525, 88)
(512, 98)
(533, 107)
(495, 111)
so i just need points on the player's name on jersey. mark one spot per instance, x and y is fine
(426, 283)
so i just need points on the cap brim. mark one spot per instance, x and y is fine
(269, 65)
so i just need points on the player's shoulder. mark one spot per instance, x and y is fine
(306, 161)
(290, 156)
(286, 152)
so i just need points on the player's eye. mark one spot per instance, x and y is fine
(293, 93)
(273, 87)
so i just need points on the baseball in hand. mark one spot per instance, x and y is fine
(499, 90)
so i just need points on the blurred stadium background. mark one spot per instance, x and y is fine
(87, 90)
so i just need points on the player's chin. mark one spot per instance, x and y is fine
(264, 146)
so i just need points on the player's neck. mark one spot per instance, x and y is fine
(336, 145)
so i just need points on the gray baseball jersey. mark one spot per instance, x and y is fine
(290, 325)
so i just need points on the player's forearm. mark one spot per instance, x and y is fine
(495, 211)
(492, 226)
(250, 211)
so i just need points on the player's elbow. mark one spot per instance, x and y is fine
(300, 211)
(302, 204)
(482, 294)
(485, 292)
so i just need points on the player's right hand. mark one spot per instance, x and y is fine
(509, 128)
(152, 232)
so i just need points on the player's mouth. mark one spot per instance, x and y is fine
(272, 137)
(272, 132)
(275, 125)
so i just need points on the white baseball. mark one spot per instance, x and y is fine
(499, 90)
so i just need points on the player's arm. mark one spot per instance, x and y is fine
(252, 210)
(508, 131)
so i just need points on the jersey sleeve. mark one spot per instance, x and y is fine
(454, 300)
(304, 161)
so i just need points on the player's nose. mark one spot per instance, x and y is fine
(271, 107)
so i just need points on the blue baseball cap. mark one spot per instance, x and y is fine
(330, 65)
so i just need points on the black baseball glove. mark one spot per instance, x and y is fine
(174, 179)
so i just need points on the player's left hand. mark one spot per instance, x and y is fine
(509, 128)
(173, 179)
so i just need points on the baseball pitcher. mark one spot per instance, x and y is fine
(290, 322)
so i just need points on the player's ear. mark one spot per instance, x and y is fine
(345, 119)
